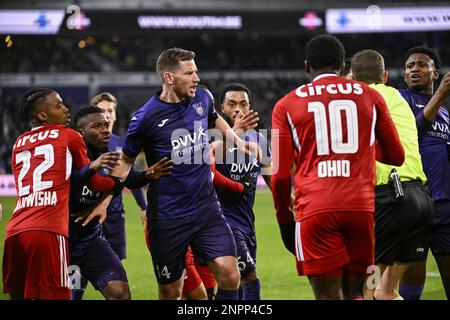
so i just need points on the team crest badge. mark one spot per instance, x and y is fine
(199, 108)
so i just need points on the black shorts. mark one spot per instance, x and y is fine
(402, 227)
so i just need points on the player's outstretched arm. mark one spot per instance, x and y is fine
(282, 157)
(231, 137)
(99, 211)
(162, 168)
(106, 161)
(122, 170)
(438, 98)
(82, 175)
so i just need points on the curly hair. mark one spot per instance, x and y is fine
(425, 50)
(325, 51)
(84, 112)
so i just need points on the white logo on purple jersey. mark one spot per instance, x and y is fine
(199, 108)
(162, 123)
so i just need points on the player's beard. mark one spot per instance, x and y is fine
(417, 88)
(97, 148)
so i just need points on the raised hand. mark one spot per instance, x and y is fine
(162, 168)
(99, 211)
(444, 86)
(246, 121)
(107, 161)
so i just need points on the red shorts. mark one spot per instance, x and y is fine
(331, 242)
(206, 275)
(35, 266)
(192, 279)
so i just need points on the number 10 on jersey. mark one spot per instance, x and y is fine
(335, 168)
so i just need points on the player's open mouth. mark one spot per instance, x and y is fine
(193, 89)
(415, 77)
(105, 139)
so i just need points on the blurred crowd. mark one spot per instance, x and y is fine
(215, 52)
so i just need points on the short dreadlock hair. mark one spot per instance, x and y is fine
(30, 99)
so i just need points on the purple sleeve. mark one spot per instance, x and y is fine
(136, 179)
(136, 135)
(140, 199)
(81, 176)
(423, 125)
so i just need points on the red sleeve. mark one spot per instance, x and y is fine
(389, 149)
(77, 148)
(281, 178)
(222, 182)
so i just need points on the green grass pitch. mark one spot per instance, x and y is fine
(275, 265)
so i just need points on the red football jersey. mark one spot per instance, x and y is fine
(42, 163)
(327, 128)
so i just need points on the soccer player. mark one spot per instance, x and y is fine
(401, 220)
(432, 119)
(328, 128)
(199, 282)
(89, 250)
(114, 225)
(36, 252)
(235, 101)
(183, 207)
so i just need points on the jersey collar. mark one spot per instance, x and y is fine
(323, 75)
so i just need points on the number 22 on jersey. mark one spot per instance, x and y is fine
(25, 157)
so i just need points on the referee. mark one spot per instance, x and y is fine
(403, 205)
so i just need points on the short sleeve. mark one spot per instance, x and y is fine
(136, 135)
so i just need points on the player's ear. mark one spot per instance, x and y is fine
(435, 74)
(80, 131)
(341, 69)
(307, 66)
(168, 77)
(385, 76)
(41, 116)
